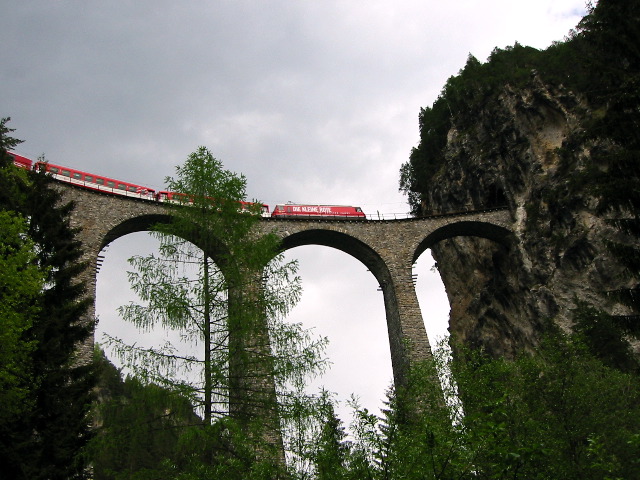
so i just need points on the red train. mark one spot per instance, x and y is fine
(120, 187)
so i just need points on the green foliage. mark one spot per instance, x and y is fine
(21, 283)
(225, 449)
(45, 435)
(330, 454)
(557, 413)
(139, 424)
(150, 432)
(14, 182)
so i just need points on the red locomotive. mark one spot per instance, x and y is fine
(322, 211)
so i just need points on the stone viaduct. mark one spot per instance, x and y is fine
(388, 248)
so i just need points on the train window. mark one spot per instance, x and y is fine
(88, 178)
(77, 176)
(54, 169)
(100, 181)
(66, 173)
(122, 187)
(131, 188)
(110, 184)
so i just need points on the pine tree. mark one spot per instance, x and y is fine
(47, 438)
(331, 451)
(63, 397)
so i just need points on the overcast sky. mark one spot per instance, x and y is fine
(315, 102)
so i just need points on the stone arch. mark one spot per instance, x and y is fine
(502, 237)
(142, 223)
(481, 229)
(145, 222)
(253, 379)
(377, 266)
(343, 242)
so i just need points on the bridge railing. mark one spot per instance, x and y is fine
(388, 216)
(404, 216)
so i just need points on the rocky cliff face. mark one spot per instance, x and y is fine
(523, 148)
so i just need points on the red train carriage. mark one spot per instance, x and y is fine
(20, 161)
(263, 208)
(172, 197)
(96, 182)
(183, 198)
(323, 211)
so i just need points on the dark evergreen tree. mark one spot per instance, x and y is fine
(47, 439)
(331, 449)
(13, 183)
(63, 395)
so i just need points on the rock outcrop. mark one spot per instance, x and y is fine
(523, 148)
